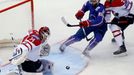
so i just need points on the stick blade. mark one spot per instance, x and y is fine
(64, 20)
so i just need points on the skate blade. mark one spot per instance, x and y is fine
(86, 55)
(121, 55)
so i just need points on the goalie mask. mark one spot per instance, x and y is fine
(44, 32)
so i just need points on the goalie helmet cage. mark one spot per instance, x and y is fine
(16, 17)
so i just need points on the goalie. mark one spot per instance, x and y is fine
(27, 53)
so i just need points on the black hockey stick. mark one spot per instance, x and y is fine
(74, 25)
(70, 25)
(66, 23)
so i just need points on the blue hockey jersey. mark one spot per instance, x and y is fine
(96, 14)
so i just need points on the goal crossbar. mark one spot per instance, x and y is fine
(20, 3)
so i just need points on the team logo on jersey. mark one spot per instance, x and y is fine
(97, 8)
(100, 14)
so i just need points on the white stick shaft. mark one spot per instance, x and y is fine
(64, 20)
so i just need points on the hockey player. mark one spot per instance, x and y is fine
(27, 53)
(122, 19)
(95, 23)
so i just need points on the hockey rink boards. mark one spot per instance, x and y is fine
(71, 58)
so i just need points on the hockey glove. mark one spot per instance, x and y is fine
(85, 23)
(79, 15)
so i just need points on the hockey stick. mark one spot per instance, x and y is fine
(13, 40)
(88, 39)
(19, 67)
(74, 25)
(69, 25)
(66, 23)
(8, 63)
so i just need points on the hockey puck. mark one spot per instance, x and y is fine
(67, 67)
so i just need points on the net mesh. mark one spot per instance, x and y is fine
(15, 18)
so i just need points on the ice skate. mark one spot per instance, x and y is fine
(62, 48)
(86, 53)
(122, 50)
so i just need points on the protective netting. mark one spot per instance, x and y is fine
(15, 18)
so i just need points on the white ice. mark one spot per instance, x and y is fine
(102, 62)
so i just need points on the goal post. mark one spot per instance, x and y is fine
(17, 17)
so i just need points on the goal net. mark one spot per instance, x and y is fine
(16, 18)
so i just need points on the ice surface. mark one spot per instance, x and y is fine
(102, 62)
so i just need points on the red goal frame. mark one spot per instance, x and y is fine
(20, 3)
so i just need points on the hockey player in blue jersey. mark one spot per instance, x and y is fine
(95, 23)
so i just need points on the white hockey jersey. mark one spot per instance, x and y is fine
(29, 48)
(122, 7)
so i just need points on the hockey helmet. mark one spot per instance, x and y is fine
(44, 32)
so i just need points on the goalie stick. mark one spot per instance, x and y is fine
(8, 63)
(19, 66)
(13, 40)
(77, 25)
